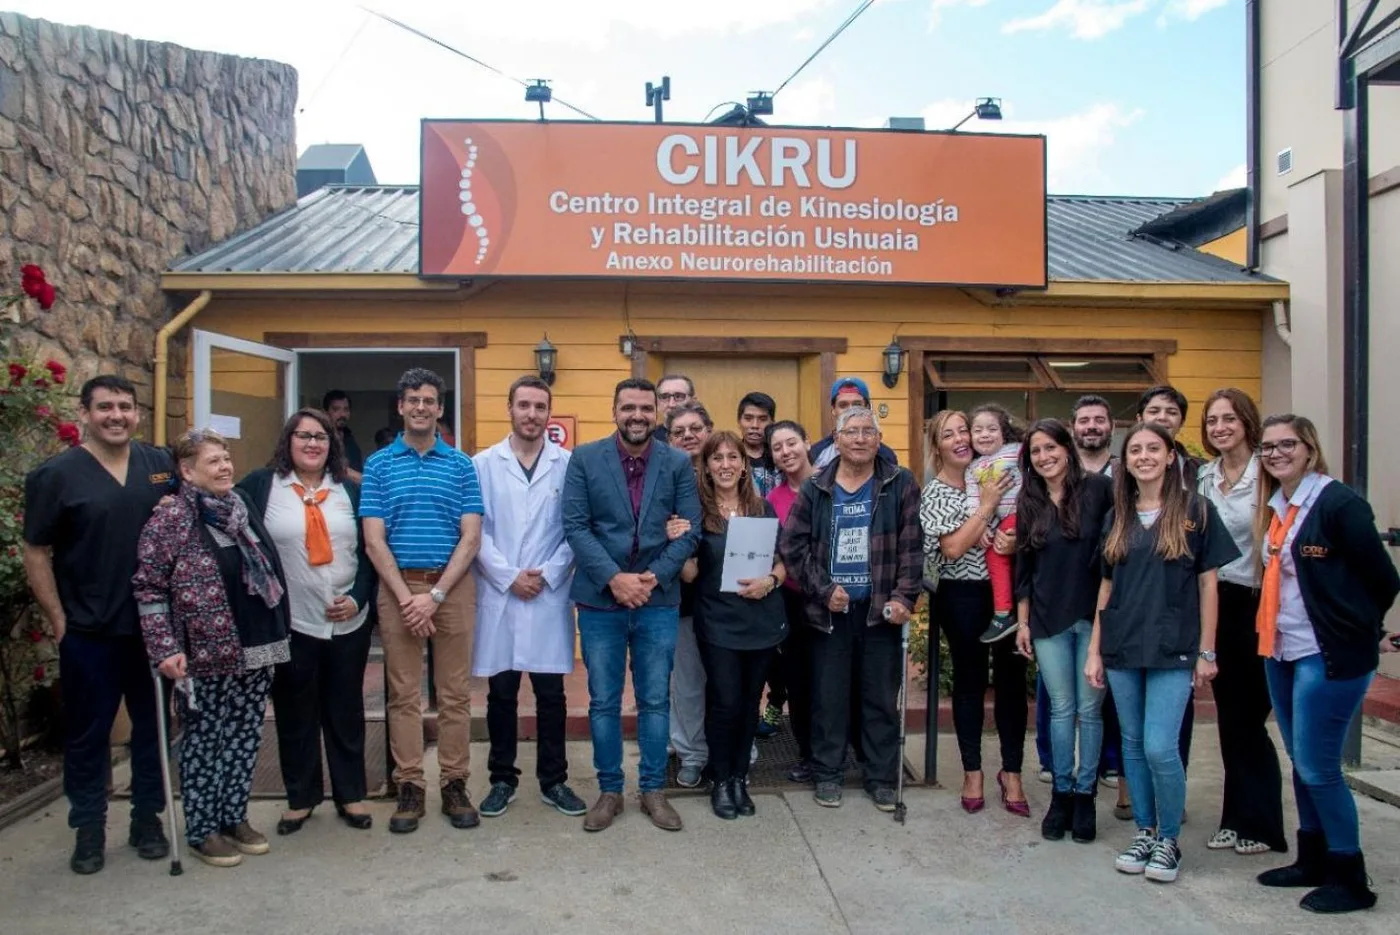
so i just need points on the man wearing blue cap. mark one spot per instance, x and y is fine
(845, 393)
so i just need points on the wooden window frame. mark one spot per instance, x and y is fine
(464, 342)
(924, 349)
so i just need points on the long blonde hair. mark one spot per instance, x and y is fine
(935, 429)
(1303, 427)
(1177, 503)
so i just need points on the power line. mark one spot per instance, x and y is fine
(325, 79)
(471, 58)
(855, 14)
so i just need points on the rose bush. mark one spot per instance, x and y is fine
(32, 428)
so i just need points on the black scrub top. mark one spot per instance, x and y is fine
(73, 505)
(1153, 617)
(725, 619)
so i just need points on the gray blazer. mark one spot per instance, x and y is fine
(599, 523)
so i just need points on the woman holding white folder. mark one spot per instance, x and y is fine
(738, 632)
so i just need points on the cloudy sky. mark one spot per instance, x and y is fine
(1135, 96)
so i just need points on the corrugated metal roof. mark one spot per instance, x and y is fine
(336, 229)
(374, 229)
(1091, 239)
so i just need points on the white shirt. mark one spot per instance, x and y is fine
(523, 528)
(312, 589)
(1236, 507)
(1296, 637)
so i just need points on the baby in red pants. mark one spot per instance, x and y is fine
(997, 455)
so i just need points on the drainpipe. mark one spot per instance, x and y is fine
(1281, 322)
(163, 356)
(1253, 120)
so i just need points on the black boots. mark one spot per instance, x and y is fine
(1086, 824)
(89, 851)
(1310, 869)
(722, 799)
(743, 804)
(1057, 816)
(1347, 889)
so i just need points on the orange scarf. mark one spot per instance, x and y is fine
(318, 534)
(1266, 623)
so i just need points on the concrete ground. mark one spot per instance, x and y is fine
(795, 867)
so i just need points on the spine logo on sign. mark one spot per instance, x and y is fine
(469, 209)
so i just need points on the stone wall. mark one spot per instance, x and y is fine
(118, 156)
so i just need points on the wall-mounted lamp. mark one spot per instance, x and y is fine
(894, 363)
(627, 345)
(546, 356)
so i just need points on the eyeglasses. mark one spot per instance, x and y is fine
(673, 397)
(862, 432)
(413, 402)
(319, 437)
(681, 431)
(1285, 447)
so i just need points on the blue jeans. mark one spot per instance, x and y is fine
(607, 636)
(1151, 704)
(1042, 724)
(1313, 714)
(1061, 659)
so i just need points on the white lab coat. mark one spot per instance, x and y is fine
(523, 528)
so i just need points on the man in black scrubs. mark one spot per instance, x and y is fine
(336, 404)
(84, 511)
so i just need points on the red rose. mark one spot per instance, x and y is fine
(56, 370)
(46, 295)
(39, 673)
(68, 432)
(43, 412)
(17, 373)
(30, 271)
(36, 636)
(41, 383)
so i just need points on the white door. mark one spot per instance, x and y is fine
(245, 391)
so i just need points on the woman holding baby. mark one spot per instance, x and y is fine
(959, 534)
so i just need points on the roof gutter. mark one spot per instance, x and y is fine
(1254, 121)
(163, 357)
(1282, 322)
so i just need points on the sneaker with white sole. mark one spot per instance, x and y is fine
(688, 776)
(1135, 858)
(1046, 776)
(1002, 626)
(1165, 864)
(564, 800)
(498, 800)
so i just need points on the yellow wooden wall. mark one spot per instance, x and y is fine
(1234, 247)
(1217, 347)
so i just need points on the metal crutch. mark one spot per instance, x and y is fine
(164, 740)
(899, 809)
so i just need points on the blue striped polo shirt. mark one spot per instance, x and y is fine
(422, 499)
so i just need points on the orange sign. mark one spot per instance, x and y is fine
(562, 430)
(681, 201)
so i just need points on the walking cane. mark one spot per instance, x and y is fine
(164, 740)
(899, 809)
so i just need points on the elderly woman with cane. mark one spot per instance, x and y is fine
(212, 600)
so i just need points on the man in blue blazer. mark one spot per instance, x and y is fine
(618, 494)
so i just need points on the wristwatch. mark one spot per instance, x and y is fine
(1208, 655)
(438, 595)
